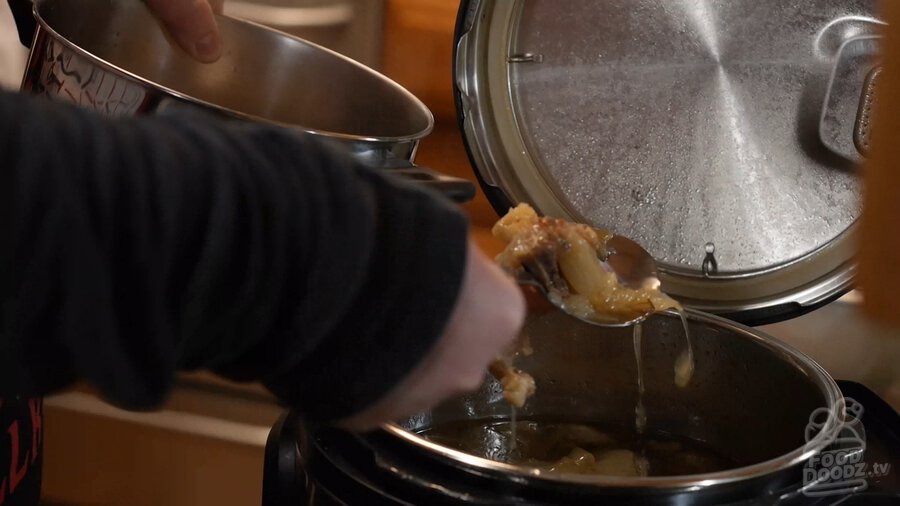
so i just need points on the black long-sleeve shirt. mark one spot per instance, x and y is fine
(135, 248)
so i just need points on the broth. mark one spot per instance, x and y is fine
(684, 364)
(640, 412)
(589, 448)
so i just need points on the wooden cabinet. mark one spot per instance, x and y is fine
(418, 48)
(205, 446)
(418, 54)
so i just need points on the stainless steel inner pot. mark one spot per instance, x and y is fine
(751, 398)
(114, 57)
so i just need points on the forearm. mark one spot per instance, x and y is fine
(141, 247)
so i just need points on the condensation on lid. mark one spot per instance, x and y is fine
(690, 124)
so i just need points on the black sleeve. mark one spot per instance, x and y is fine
(138, 247)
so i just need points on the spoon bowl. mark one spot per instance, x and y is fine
(632, 264)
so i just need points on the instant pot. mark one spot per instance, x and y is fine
(751, 398)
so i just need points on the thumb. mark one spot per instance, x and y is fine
(192, 24)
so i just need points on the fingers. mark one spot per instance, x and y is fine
(487, 318)
(192, 24)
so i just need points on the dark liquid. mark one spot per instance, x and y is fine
(684, 364)
(580, 448)
(640, 412)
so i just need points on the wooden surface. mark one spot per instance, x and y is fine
(418, 51)
(443, 151)
(880, 248)
(98, 460)
(418, 48)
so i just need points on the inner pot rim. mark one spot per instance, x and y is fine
(825, 436)
(225, 20)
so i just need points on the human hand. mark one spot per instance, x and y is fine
(489, 313)
(192, 24)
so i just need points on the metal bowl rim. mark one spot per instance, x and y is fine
(245, 116)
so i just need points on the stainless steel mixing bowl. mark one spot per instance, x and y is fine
(114, 57)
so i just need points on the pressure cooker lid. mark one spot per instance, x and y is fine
(719, 134)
